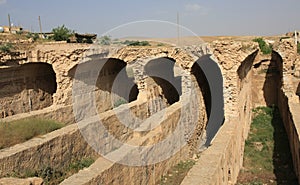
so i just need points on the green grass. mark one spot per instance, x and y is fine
(177, 173)
(78, 165)
(267, 156)
(261, 132)
(15, 132)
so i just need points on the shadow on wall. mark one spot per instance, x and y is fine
(203, 85)
(161, 70)
(36, 76)
(246, 65)
(214, 95)
(282, 158)
(26, 87)
(109, 79)
(273, 80)
(298, 91)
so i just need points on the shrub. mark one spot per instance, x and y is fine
(6, 48)
(119, 102)
(61, 33)
(79, 165)
(34, 36)
(264, 47)
(136, 43)
(52, 175)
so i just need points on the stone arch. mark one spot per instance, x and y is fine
(209, 74)
(26, 88)
(161, 70)
(267, 79)
(110, 81)
(203, 86)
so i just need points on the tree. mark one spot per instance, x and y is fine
(61, 33)
(105, 40)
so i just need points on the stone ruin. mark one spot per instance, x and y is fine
(40, 83)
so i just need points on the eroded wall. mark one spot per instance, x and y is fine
(26, 88)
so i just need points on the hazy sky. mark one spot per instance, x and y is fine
(203, 17)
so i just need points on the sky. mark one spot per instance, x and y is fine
(129, 18)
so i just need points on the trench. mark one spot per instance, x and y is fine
(267, 155)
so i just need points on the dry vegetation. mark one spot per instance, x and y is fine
(15, 132)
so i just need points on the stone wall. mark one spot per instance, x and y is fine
(107, 172)
(59, 148)
(289, 111)
(221, 162)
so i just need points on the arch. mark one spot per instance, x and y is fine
(203, 85)
(109, 79)
(161, 70)
(214, 80)
(26, 87)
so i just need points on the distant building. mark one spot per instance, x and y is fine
(295, 35)
(13, 29)
(82, 38)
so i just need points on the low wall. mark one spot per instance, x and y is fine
(63, 114)
(289, 111)
(220, 163)
(57, 148)
(107, 172)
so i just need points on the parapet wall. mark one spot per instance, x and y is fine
(108, 172)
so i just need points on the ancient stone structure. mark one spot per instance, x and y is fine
(46, 86)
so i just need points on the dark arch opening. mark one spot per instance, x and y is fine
(214, 80)
(298, 90)
(161, 70)
(114, 79)
(26, 87)
(203, 85)
(113, 85)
